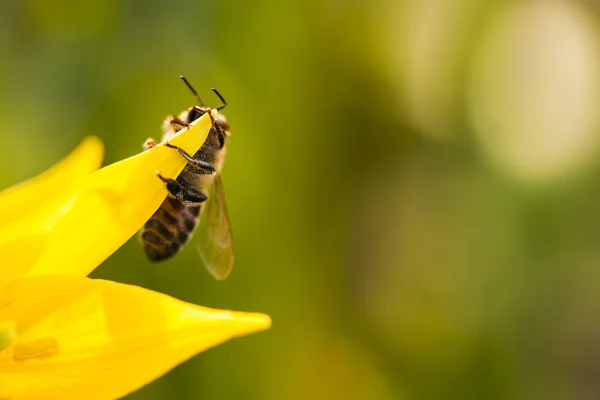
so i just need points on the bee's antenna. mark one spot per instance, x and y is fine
(222, 106)
(189, 85)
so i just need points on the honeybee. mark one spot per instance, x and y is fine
(197, 190)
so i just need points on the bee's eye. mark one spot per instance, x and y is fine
(194, 114)
(221, 140)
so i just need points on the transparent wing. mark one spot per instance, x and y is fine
(214, 234)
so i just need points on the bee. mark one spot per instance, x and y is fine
(197, 191)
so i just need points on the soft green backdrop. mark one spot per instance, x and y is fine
(414, 186)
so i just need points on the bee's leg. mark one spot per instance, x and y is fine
(149, 143)
(182, 191)
(216, 126)
(198, 166)
(177, 124)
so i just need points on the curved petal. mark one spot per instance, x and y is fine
(52, 185)
(30, 209)
(98, 339)
(108, 207)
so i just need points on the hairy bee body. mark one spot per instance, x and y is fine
(172, 225)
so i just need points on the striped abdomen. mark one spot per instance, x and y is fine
(169, 229)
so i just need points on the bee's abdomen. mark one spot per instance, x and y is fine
(169, 229)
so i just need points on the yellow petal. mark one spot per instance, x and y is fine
(108, 207)
(7, 334)
(30, 209)
(40, 193)
(83, 338)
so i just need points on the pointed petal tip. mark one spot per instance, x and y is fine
(245, 323)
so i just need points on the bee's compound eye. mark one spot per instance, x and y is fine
(194, 114)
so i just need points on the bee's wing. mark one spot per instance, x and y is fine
(214, 234)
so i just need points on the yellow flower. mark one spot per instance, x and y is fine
(65, 336)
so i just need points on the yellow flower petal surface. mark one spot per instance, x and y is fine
(109, 207)
(29, 210)
(7, 334)
(38, 194)
(94, 339)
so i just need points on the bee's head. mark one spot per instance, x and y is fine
(220, 122)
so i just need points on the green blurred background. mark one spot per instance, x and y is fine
(413, 185)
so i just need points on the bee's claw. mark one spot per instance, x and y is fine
(182, 191)
(178, 124)
(149, 143)
(199, 166)
(162, 178)
(212, 119)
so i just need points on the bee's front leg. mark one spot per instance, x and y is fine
(177, 124)
(182, 191)
(149, 143)
(198, 166)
